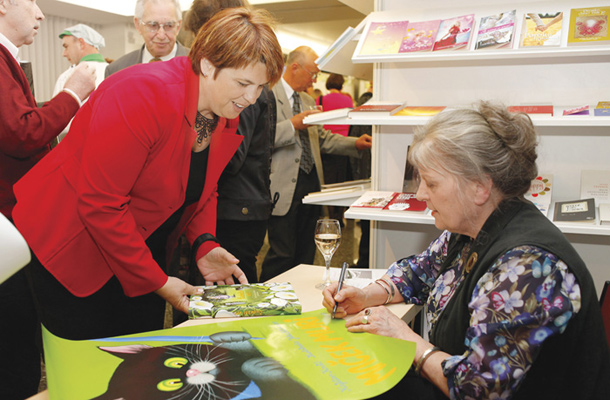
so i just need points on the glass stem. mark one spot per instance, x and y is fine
(327, 275)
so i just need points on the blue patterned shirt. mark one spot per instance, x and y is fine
(527, 296)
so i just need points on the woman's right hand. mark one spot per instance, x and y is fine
(176, 292)
(351, 300)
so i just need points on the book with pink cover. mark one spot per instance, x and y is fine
(496, 30)
(454, 33)
(420, 36)
(382, 38)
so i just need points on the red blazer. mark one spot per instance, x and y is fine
(25, 129)
(122, 170)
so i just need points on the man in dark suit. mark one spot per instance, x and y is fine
(158, 21)
(25, 135)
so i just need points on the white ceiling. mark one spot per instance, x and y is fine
(322, 20)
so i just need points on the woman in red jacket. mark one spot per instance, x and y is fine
(143, 154)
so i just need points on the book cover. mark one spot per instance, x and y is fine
(419, 111)
(580, 110)
(496, 31)
(405, 202)
(545, 109)
(602, 109)
(420, 36)
(307, 356)
(244, 300)
(382, 38)
(454, 33)
(580, 211)
(589, 25)
(376, 109)
(542, 29)
(540, 192)
(596, 184)
(374, 199)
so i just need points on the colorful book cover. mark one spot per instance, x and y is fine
(244, 300)
(454, 33)
(405, 202)
(497, 30)
(377, 109)
(532, 109)
(374, 199)
(307, 356)
(602, 109)
(541, 192)
(542, 29)
(419, 111)
(580, 110)
(589, 25)
(420, 36)
(383, 38)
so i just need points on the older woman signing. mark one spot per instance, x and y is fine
(510, 307)
(144, 154)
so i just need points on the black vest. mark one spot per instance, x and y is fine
(572, 365)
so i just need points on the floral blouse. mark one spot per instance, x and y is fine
(526, 296)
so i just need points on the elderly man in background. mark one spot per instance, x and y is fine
(158, 21)
(81, 44)
(25, 134)
(296, 165)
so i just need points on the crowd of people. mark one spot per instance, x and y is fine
(203, 149)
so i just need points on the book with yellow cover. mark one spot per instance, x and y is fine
(542, 29)
(419, 111)
(589, 25)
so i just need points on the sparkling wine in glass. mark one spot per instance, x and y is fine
(327, 238)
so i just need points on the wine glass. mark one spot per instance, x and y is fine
(327, 238)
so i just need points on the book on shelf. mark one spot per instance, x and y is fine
(454, 33)
(381, 38)
(589, 25)
(602, 109)
(541, 192)
(244, 300)
(542, 29)
(376, 109)
(604, 214)
(420, 36)
(419, 111)
(580, 211)
(347, 35)
(596, 184)
(374, 199)
(579, 110)
(396, 201)
(537, 109)
(339, 191)
(318, 117)
(496, 30)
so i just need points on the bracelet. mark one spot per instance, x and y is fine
(389, 283)
(420, 364)
(387, 300)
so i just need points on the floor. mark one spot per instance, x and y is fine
(347, 251)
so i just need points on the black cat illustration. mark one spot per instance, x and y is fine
(230, 368)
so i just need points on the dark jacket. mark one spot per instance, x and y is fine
(572, 365)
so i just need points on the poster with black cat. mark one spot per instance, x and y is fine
(307, 356)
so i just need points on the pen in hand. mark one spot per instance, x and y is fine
(341, 278)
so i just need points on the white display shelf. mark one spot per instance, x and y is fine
(501, 55)
(569, 120)
(405, 217)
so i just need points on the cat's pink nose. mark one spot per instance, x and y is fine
(192, 372)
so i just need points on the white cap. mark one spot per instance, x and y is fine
(88, 34)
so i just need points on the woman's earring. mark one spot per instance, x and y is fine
(205, 75)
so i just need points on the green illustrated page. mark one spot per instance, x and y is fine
(307, 356)
(244, 300)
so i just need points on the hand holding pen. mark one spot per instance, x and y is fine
(341, 279)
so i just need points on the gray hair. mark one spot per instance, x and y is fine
(300, 55)
(139, 13)
(480, 143)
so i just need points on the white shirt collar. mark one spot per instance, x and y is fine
(288, 90)
(14, 50)
(146, 56)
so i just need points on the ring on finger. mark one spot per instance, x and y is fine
(367, 312)
(365, 319)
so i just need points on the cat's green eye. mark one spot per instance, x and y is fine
(175, 362)
(170, 385)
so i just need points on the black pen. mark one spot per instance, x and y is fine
(341, 278)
